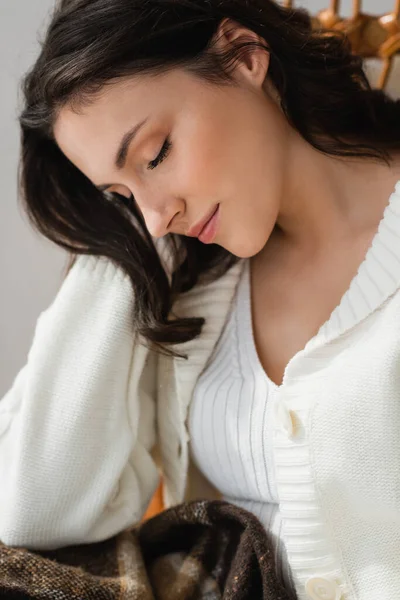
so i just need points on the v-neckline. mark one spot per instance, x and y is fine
(377, 278)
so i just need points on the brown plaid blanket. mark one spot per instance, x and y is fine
(196, 551)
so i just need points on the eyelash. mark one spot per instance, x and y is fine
(152, 165)
(162, 155)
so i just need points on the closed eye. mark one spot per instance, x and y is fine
(162, 155)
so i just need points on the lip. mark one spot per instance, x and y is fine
(197, 229)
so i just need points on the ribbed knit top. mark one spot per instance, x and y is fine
(231, 425)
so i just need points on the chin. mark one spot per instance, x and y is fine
(246, 249)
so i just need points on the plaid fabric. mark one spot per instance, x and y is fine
(196, 551)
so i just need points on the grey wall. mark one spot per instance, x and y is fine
(31, 268)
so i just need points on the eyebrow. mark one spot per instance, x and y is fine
(122, 152)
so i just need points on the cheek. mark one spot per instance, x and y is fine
(242, 168)
(251, 208)
(201, 168)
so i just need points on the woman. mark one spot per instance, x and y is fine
(228, 180)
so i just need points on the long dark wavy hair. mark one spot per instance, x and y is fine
(322, 87)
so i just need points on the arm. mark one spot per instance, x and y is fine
(74, 465)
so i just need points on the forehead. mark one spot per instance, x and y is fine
(97, 127)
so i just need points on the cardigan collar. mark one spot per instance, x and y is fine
(377, 278)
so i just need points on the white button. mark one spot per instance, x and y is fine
(285, 419)
(320, 588)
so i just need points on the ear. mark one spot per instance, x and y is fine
(253, 64)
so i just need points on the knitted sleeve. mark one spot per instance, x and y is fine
(77, 426)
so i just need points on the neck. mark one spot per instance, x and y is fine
(326, 198)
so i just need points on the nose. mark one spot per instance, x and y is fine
(161, 216)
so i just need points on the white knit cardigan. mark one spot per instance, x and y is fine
(86, 415)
